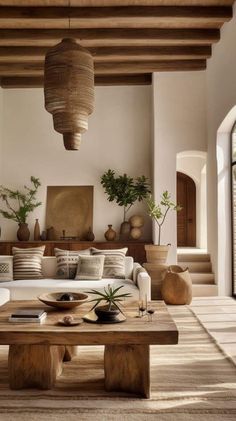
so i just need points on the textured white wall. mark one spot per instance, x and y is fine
(118, 138)
(179, 125)
(221, 98)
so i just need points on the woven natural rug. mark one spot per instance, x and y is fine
(191, 381)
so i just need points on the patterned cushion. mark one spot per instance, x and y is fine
(27, 262)
(6, 268)
(90, 267)
(114, 264)
(67, 262)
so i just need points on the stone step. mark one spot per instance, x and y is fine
(197, 267)
(194, 257)
(203, 278)
(205, 290)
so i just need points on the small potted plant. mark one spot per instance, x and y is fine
(112, 298)
(157, 253)
(125, 191)
(25, 202)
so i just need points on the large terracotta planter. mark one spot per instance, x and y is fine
(23, 232)
(156, 254)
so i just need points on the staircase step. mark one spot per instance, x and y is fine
(205, 290)
(203, 278)
(197, 267)
(194, 257)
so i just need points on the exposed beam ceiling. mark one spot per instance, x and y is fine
(129, 39)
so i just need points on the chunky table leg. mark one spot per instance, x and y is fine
(32, 366)
(127, 369)
(70, 352)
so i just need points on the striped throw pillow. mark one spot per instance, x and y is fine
(27, 262)
(67, 262)
(90, 267)
(114, 263)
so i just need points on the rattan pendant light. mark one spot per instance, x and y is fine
(69, 89)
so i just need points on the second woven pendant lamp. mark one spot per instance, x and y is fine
(69, 89)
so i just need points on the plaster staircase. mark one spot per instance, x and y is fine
(199, 264)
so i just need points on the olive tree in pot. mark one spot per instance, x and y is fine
(157, 253)
(19, 204)
(125, 191)
(112, 298)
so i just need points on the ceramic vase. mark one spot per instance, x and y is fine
(36, 230)
(23, 232)
(110, 234)
(125, 231)
(90, 235)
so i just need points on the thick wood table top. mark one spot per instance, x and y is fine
(161, 331)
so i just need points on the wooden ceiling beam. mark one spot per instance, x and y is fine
(26, 54)
(108, 3)
(106, 37)
(37, 69)
(114, 17)
(100, 80)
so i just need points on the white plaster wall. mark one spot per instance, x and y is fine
(193, 165)
(118, 138)
(179, 125)
(221, 95)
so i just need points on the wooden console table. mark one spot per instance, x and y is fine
(135, 248)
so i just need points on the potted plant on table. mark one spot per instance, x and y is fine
(157, 253)
(25, 202)
(112, 298)
(125, 191)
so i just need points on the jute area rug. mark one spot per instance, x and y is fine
(192, 381)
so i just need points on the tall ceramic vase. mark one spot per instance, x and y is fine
(36, 230)
(23, 232)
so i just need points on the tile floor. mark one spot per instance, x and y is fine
(218, 315)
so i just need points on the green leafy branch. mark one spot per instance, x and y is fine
(159, 211)
(124, 190)
(25, 202)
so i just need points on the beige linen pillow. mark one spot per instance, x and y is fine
(6, 268)
(90, 267)
(27, 262)
(114, 264)
(67, 261)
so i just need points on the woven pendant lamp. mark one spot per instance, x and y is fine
(69, 89)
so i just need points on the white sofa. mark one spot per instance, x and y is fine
(137, 283)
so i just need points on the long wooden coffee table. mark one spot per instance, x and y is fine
(37, 351)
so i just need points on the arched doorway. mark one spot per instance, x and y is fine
(186, 218)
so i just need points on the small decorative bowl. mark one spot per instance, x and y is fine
(52, 299)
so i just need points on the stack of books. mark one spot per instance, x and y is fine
(28, 316)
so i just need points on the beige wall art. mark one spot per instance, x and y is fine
(69, 209)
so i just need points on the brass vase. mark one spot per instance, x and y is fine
(23, 232)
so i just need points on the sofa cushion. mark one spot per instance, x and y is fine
(30, 290)
(67, 261)
(27, 262)
(90, 267)
(4, 296)
(6, 268)
(114, 264)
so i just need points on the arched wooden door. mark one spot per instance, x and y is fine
(186, 218)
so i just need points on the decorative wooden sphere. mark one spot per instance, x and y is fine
(69, 89)
(136, 221)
